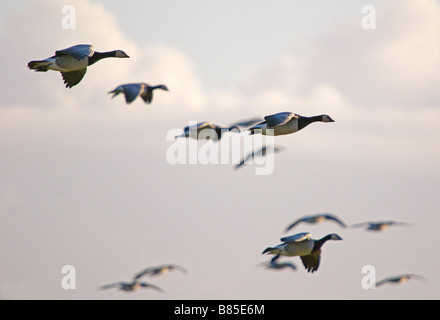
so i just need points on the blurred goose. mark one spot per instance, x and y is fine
(259, 153)
(72, 62)
(160, 270)
(275, 265)
(133, 90)
(195, 130)
(286, 123)
(380, 225)
(130, 286)
(398, 279)
(317, 218)
(304, 246)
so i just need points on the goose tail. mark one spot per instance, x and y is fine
(41, 66)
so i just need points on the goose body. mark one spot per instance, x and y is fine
(159, 270)
(317, 218)
(213, 131)
(302, 245)
(379, 225)
(286, 123)
(72, 62)
(133, 90)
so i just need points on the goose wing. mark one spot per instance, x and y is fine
(149, 285)
(147, 95)
(311, 261)
(335, 219)
(72, 78)
(111, 286)
(294, 224)
(297, 237)
(279, 119)
(78, 52)
(131, 91)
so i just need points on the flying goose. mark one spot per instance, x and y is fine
(72, 62)
(208, 129)
(304, 246)
(130, 286)
(379, 225)
(286, 123)
(159, 270)
(133, 90)
(398, 279)
(262, 152)
(317, 218)
(275, 265)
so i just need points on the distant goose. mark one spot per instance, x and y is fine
(398, 279)
(159, 270)
(133, 90)
(262, 152)
(304, 246)
(275, 265)
(379, 225)
(286, 123)
(130, 286)
(317, 218)
(209, 131)
(73, 62)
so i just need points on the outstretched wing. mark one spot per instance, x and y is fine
(110, 286)
(78, 52)
(72, 78)
(131, 92)
(311, 261)
(335, 219)
(297, 237)
(279, 119)
(294, 224)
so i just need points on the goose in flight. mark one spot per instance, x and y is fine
(206, 130)
(398, 279)
(262, 152)
(134, 90)
(72, 62)
(130, 286)
(379, 225)
(317, 218)
(286, 123)
(302, 245)
(159, 270)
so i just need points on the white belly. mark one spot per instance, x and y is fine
(297, 248)
(67, 63)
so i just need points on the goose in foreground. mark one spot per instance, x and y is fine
(130, 286)
(262, 152)
(133, 90)
(285, 123)
(72, 62)
(398, 279)
(206, 130)
(317, 218)
(302, 245)
(379, 225)
(159, 270)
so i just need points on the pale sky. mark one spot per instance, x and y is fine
(86, 182)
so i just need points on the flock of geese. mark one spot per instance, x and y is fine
(72, 63)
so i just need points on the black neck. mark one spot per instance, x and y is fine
(319, 243)
(305, 121)
(101, 55)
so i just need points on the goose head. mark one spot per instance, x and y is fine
(163, 87)
(326, 118)
(335, 237)
(121, 54)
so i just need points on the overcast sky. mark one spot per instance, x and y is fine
(85, 180)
